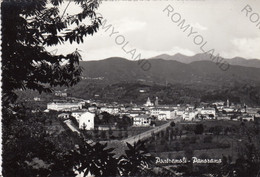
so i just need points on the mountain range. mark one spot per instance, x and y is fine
(207, 57)
(173, 82)
(199, 71)
(120, 80)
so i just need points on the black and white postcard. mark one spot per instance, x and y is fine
(130, 88)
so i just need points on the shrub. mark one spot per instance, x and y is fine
(199, 129)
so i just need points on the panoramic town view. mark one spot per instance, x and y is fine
(209, 133)
(160, 91)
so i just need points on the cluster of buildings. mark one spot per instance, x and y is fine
(143, 115)
(60, 93)
(65, 106)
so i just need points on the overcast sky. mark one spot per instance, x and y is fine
(149, 30)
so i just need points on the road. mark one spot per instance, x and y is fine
(133, 139)
(70, 125)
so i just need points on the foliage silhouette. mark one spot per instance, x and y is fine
(28, 27)
(136, 161)
(95, 160)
